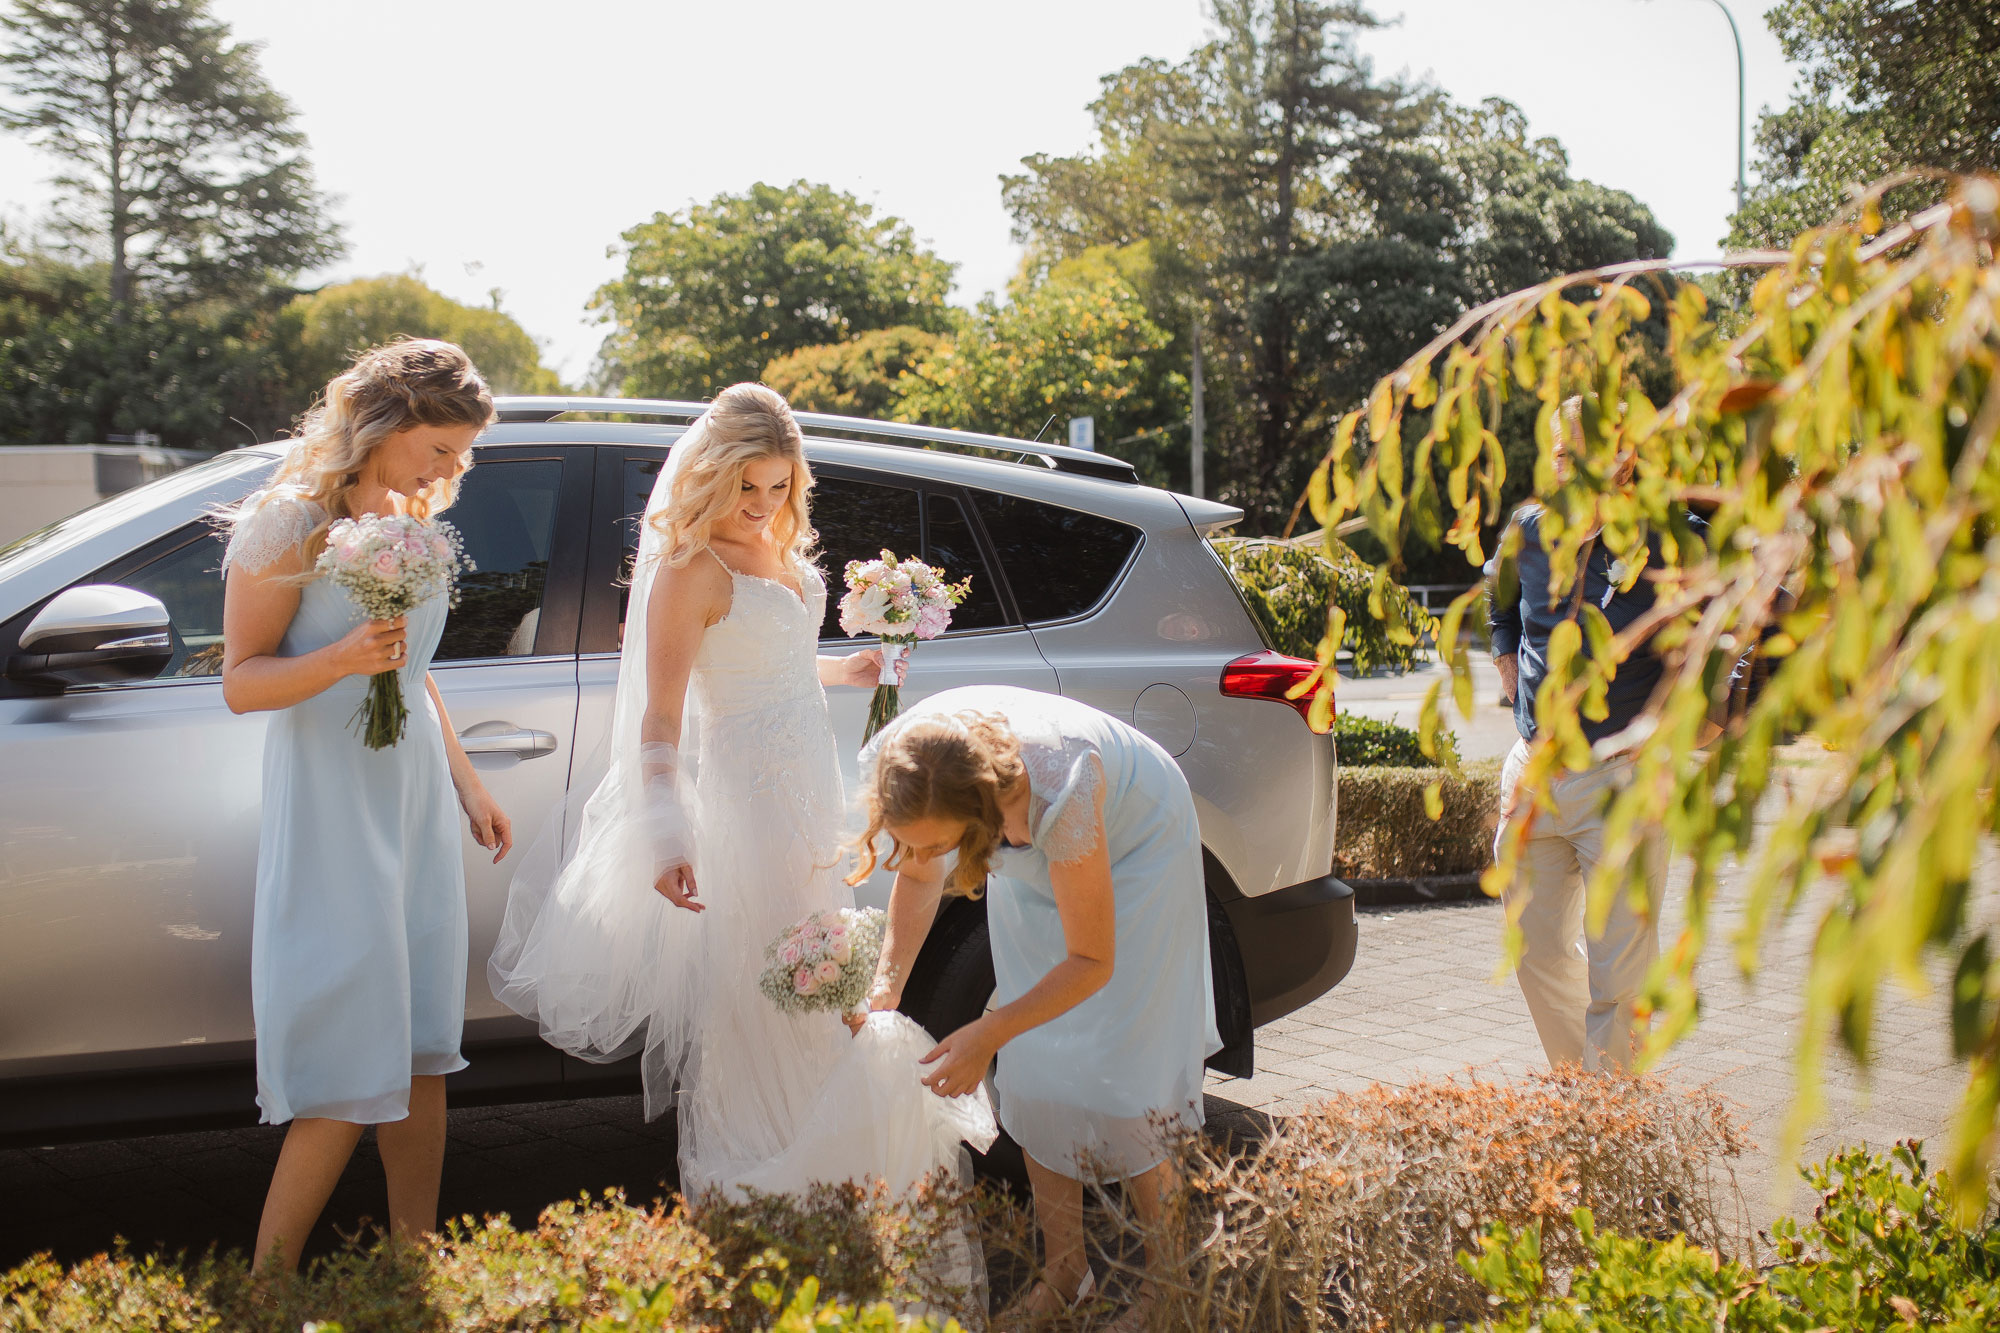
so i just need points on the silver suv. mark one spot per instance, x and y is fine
(129, 793)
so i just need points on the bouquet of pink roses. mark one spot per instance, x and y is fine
(900, 602)
(825, 962)
(390, 564)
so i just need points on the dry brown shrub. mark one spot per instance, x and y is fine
(1351, 1215)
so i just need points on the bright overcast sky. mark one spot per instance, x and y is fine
(501, 143)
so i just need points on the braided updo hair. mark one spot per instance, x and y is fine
(401, 384)
(952, 766)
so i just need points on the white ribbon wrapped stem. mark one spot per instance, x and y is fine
(892, 653)
(664, 819)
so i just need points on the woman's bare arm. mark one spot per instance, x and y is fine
(1089, 916)
(682, 604)
(257, 609)
(913, 907)
(491, 828)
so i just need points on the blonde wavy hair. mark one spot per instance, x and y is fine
(745, 423)
(953, 766)
(405, 383)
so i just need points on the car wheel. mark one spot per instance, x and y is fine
(950, 985)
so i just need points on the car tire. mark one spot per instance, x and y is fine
(950, 985)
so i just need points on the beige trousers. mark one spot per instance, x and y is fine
(1580, 991)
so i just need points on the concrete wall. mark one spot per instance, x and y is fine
(40, 483)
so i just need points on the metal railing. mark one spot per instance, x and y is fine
(1435, 597)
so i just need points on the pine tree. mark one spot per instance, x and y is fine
(182, 168)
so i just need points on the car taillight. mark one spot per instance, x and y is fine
(1273, 676)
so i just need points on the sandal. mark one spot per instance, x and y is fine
(1026, 1312)
(1138, 1316)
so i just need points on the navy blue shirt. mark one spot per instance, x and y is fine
(1523, 623)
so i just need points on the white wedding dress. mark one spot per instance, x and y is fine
(768, 1101)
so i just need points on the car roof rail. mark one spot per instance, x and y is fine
(1062, 458)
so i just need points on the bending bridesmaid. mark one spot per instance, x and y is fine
(1083, 832)
(358, 943)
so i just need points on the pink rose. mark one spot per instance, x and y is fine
(827, 973)
(440, 547)
(349, 549)
(803, 981)
(793, 953)
(388, 564)
(842, 951)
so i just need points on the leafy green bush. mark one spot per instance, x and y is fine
(585, 1267)
(1290, 589)
(1882, 1251)
(1365, 742)
(1384, 829)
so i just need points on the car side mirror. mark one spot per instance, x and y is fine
(94, 634)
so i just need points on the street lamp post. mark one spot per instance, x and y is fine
(1742, 103)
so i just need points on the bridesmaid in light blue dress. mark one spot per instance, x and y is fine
(358, 941)
(1084, 832)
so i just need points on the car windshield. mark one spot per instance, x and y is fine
(87, 522)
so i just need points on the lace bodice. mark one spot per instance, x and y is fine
(765, 651)
(269, 524)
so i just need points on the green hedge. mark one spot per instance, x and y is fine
(1367, 743)
(831, 1261)
(1882, 1251)
(1289, 589)
(1383, 831)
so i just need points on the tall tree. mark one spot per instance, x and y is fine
(1318, 222)
(1074, 342)
(324, 330)
(180, 163)
(715, 292)
(861, 377)
(73, 370)
(1884, 85)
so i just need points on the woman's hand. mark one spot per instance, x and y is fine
(676, 885)
(491, 828)
(863, 670)
(370, 648)
(883, 995)
(962, 1059)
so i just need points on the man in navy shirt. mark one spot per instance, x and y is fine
(1581, 991)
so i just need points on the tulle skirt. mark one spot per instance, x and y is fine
(608, 967)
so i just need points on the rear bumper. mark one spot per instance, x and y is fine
(1297, 944)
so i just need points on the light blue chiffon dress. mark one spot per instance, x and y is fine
(1098, 1090)
(358, 942)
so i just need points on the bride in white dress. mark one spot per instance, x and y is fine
(717, 825)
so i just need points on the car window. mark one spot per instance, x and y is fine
(949, 544)
(858, 520)
(640, 476)
(1059, 562)
(505, 512)
(187, 580)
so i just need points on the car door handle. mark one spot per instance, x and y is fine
(506, 738)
